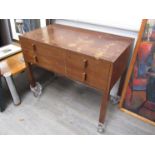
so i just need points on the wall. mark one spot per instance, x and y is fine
(103, 28)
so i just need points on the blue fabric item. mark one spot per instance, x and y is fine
(142, 69)
(139, 88)
(150, 89)
(28, 25)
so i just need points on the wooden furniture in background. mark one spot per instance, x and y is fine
(94, 58)
(9, 67)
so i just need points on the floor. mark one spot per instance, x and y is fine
(65, 107)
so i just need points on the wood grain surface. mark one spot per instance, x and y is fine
(96, 44)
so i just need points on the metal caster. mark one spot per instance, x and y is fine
(37, 90)
(101, 128)
(2, 109)
(114, 99)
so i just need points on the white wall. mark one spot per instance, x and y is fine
(125, 29)
(126, 24)
(110, 27)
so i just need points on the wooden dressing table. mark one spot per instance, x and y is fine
(94, 58)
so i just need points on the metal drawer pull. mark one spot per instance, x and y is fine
(85, 62)
(34, 47)
(84, 76)
(35, 59)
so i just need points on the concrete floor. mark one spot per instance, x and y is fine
(65, 107)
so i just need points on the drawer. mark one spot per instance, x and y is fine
(97, 73)
(87, 70)
(28, 49)
(76, 66)
(27, 44)
(50, 58)
(45, 56)
(29, 56)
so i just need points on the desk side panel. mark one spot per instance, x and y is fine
(119, 66)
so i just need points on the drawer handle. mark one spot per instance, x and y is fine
(35, 59)
(85, 62)
(34, 47)
(84, 76)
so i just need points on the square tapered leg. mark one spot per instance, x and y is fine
(12, 88)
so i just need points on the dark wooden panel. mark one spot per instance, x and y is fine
(119, 66)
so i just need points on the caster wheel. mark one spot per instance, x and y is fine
(16, 104)
(101, 128)
(2, 109)
(37, 90)
(114, 99)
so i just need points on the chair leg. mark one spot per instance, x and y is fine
(2, 105)
(12, 88)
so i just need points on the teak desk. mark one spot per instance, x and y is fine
(94, 58)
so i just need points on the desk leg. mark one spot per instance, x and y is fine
(103, 108)
(30, 75)
(2, 105)
(35, 87)
(120, 89)
(12, 88)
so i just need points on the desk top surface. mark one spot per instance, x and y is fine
(96, 44)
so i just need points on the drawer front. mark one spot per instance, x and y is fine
(29, 56)
(45, 56)
(88, 70)
(27, 44)
(28, 48)
(51, 58)
(98, 73)
(76, 66)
